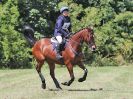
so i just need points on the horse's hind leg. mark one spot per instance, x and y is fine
(52, 68)
(38, 68)
(81, 65)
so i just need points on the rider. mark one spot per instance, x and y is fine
(62, 28)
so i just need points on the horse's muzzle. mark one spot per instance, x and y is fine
(93, 48)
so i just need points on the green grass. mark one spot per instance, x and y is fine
(116, 82)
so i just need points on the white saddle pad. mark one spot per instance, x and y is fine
(53, 40)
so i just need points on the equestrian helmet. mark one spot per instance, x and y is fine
(64, 9)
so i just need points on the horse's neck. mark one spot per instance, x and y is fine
(76, 42)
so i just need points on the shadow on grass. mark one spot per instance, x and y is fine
(92, 89)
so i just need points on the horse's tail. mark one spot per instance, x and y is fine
(29, 34)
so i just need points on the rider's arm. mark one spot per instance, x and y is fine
(59, 26)
(70, 27)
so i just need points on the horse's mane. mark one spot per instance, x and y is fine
(72, 35)
(81, 30)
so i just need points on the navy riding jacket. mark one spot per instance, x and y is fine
(62, 26)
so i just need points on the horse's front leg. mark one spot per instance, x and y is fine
(70, 69)
(81, 65)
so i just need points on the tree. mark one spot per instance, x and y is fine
(112, 21)
(14, 53)
(40, 14)
(113, 28)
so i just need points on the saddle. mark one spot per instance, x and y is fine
(55, 42)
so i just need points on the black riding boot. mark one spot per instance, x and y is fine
(58, 56)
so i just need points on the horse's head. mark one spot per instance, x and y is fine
(88, 37)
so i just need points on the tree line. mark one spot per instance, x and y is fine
(112, 21)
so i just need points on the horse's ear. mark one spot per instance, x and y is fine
(92, 27)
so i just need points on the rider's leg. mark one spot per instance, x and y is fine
(59, 39)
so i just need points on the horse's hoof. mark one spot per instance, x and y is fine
(65, 83)
(81, 80)
(43, 86)
(59, 88)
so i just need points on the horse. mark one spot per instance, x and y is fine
(43, 51)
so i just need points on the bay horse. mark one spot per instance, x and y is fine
(43, 51)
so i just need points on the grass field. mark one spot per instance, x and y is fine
(115, 82)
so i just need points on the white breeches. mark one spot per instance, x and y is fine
(59, 39)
